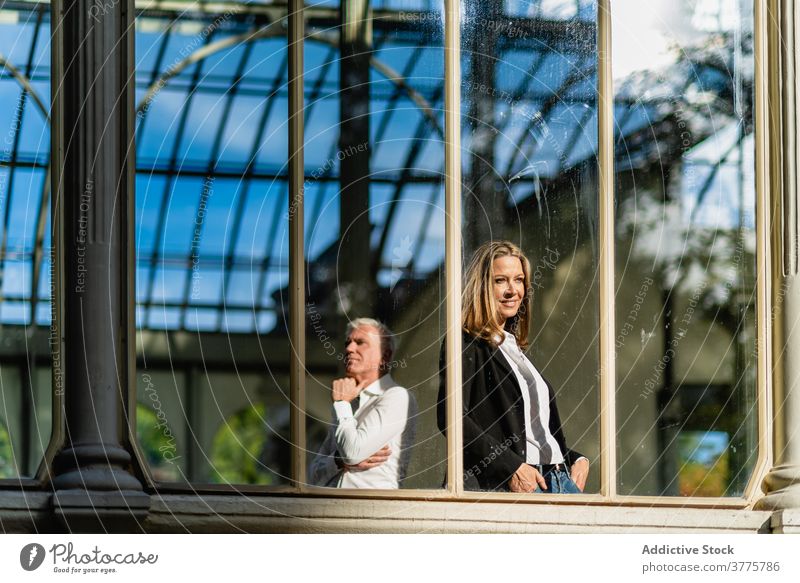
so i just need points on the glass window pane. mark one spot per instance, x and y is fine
(181, 223)
(686, 279)
(149, 196)
(143, 273)
(238, 320)
(163, 318)
(206, 285)
(15, 313)
(240, 131)
(45, 273)
(244, 428)
(161, 114)
(219, 217)
(210, 226)
(274, 143)
(203, 319)
(169, 285)
(161, 402)
(149, 40)
(34, 137)
(25, 188)
(272, 283)
(374, 229)
(17, 37)
(25, 380)
(43, 314)
(267, 63)
(319, 112)
(16, 279)
(322, 200)
(529, 164)
(260, 219)
(11, 422)
(242, 288)
(205, 113)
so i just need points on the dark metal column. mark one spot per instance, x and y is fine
(93, 158)
(356, 282)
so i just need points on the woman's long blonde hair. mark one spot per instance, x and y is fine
(478, 305)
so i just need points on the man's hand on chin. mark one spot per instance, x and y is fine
(346, 389)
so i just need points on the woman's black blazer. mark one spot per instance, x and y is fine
(493, 417)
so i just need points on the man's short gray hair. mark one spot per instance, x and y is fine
(388, 342)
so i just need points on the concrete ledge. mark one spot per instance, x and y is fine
(285, 514)
(23, 512)
(30, 512)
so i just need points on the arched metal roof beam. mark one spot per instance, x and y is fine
(25, 82)
(271, 31)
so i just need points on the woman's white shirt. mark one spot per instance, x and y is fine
(513, 354)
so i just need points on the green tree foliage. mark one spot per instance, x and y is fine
(240, 446)
(8, 467)
(157, 442)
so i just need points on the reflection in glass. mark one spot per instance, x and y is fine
(26, 382)
(211, 248)
(529, 145)
(686, 336)
(25, 416)
(157, 443)
(374, 221)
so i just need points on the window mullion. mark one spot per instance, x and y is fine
(297, 291)
(605, 155)
(452, 49)
(763, 229)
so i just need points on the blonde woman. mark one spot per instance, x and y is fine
(513, 439)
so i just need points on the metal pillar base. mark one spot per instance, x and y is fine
(94, 492)
(85, 511)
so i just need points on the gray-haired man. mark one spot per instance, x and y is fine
(368, 444)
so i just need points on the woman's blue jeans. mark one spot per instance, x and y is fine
(559, 482)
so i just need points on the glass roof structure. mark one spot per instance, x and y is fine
(212, 139)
